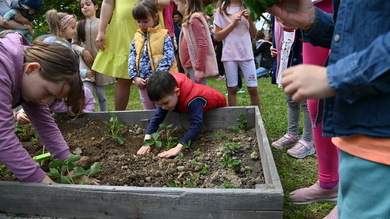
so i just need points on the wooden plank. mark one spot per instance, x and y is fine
(83, 201)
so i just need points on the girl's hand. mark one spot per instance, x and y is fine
(90, 74)
(22, 119)
(144, 150)
(47, 180)
(88, 58)
(90, 179)
(245, 14)
(198, 75)
(171, 152)
(100, 40)
(141, 83)
(237, 18)
(306, 82)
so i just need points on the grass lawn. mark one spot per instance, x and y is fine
(294, 173)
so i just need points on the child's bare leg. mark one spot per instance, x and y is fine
(255, 97)
(232, 96)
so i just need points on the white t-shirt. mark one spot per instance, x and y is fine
(237, 45)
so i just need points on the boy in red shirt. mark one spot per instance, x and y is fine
(178, 93)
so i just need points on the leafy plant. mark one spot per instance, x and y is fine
(217, 133)
(115, 126)
(242, 123)
(228, 185)
(3, 169)
(231, 148)
(20, 129)
(62, 168)
(153, 141)
(230, 162)
(170, 141)
(198, 151)
(203, 169)
(257, 7)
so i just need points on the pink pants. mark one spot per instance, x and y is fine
(327, 152)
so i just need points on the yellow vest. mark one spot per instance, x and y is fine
(156, 38)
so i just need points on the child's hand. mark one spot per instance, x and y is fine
(245, 14)
(100, 40)
(90, 179)
(237, 18)
(171, 152)
(90, 74)
(274, 52)
(88, 58)
(198, 75)
(144, 150)
(141, 83)
(22, 119)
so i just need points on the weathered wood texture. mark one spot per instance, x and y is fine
(84, 201)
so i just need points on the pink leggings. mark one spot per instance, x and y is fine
(327, 153)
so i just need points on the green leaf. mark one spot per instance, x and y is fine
(155, 135)
(73, 157)
(148, 142)
(190, 183)
(171, 184)
(54, 173)
(56, 163)
(95, 168)
(158, 144)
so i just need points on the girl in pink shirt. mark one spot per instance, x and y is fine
(235, 29)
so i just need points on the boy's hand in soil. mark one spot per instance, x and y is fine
(171, 152)
(144, 150)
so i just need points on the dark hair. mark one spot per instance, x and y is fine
(176, 12)
(143, 8)
(81, 23)
(160, 84)
(59, 63)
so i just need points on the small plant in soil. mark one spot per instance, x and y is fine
(230, 162)
(231, 148)
(242, 123)
(3, 169)
(228, 185)
(19, 129)
(115, 126)
(170, 141)
(62, 169)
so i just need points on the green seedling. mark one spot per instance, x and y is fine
(198, 151)
(230, 162)
(170, 141)
(228, 185)
(231, 148)
(242, 123)
(62, 168)
(217, 133)
(153, 141)
(197, 174)
(3, 169)
(41, 157)
(115, 126)
(20, 129)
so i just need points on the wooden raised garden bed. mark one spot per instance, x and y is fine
(87, 201)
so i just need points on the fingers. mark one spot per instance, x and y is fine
(144, 150)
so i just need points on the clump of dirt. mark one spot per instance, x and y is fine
(199, 167)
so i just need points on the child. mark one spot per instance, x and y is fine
(178, 93)
(151, 49)
(58, 106)
(32, 77)
(84, 44)
(235, 29)
(27, 9)
(197, 54)
(62, 27)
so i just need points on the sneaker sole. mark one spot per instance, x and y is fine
(331, 200)
(300, 156)
(284, 146)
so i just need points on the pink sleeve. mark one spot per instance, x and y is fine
(200, 37)
(89, 101)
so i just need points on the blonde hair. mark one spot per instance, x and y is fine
(53, 19)
(193, 6)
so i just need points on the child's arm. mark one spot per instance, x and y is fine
(221, 34)
(132, 67)
(196, 119)
(168, 57)
(252, 27)
(153, 126)
(105, 16)
(201, 36)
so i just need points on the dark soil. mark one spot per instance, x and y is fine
(121, 166)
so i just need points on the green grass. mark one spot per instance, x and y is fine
(294, 173)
